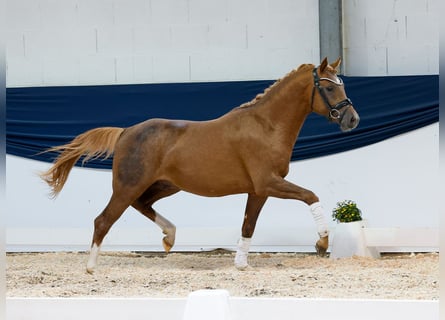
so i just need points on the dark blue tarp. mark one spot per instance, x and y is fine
(41, 117)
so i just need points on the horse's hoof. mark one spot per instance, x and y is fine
(242, 267)
(167, 244)
(90, 268)
(169, 240)
(241, 264)
(241, 261)
(322, 246)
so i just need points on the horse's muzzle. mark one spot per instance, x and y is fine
(349, 120)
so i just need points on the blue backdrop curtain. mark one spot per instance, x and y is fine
(40, 117)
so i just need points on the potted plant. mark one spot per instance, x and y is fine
(346, 211)
(349, 239)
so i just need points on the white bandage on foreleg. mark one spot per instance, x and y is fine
(318, 214)
(242, 252)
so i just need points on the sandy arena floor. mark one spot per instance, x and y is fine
(177, 274)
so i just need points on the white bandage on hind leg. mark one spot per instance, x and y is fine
(318, 214)
(92, 260)
(242, 252)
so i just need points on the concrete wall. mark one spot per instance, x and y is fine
(137, 41)
(72, 42)
(391, 37)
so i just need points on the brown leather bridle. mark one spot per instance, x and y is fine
(334, 110)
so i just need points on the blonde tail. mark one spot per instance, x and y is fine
(92, 144)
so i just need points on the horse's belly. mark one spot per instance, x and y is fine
(211, 179)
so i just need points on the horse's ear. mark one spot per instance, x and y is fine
(324, 64)
(336, 64)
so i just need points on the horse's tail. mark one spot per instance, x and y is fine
(91, 144)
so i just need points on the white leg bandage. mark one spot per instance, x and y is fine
(92, 260)
(242, 252)
(318, 214)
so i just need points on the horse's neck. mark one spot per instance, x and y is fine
(287, 107)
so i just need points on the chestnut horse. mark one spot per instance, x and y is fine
(246, 150)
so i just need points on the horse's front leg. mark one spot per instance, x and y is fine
(253, 209)
(281, 188)
(322, 244)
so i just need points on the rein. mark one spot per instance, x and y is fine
(334, 111)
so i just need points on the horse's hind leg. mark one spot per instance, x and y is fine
(143, 204)
(253, 209)
(102, 224)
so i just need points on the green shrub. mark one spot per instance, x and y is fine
(346, 211)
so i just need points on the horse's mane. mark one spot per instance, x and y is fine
(260, 96)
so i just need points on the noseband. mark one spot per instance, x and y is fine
(334, 111)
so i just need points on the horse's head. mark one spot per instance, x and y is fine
(329, 98)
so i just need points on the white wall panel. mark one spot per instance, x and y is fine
(97, 69)
(231, 63)
(149, 39)
(143, 68)
(75, 42)
(25, 71)
(380, 37)
(58, 15)
(124, 69)
(131, 13)
(95, 13)
(391, 37)
(58, 69)
(169, 12)
(106, 35)
(16, 44)
(412, 60)
(207, 12)
(190, 37)
(115, 41)
(170, 66)
(23, 15)
(247, 11)
(228, 36)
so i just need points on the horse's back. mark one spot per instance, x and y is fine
(195, 156)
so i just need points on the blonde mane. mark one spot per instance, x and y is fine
(260, 96)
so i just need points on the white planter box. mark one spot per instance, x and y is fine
(349, 240)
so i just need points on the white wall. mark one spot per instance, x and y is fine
(140, 41)
(391, 37)
(393, 182)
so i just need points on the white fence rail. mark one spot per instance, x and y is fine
(402, 239)
(238, 308)
(193, 239)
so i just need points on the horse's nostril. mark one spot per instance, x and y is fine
(353, 121)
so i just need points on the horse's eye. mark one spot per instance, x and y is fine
(330, 88)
